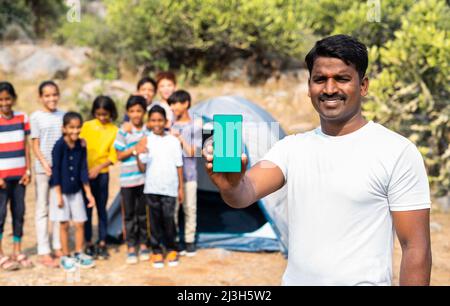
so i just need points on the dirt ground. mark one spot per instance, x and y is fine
(209, 267)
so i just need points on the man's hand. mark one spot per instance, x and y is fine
(2, 183)
(240, 190)
(223, 181)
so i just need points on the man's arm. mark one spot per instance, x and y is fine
(413, 231)
(240, 190)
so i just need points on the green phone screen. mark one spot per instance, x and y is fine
(227, 143)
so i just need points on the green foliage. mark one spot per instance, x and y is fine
(207, 33)
(14, 13)
(361, 20)
(322, 15)
(411, 93)
(35, 17)
(92, 32)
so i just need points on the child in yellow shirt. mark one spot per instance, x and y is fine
(99, 134)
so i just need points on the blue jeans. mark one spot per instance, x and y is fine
(99, 187)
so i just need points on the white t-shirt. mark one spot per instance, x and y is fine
(341, 191)
(163, 157)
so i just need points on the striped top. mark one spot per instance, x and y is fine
(46, 126)
(130, 176)
(13, 132)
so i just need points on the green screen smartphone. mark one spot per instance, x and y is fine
(227, 143)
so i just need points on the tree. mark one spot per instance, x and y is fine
(411, 93)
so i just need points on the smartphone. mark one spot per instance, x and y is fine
(227, 143)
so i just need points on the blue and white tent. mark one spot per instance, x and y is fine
(260, 227)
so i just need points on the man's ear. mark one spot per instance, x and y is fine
(364, 86)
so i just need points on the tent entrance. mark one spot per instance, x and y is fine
(215, 216)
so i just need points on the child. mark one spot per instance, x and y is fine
(69, 177)
(190, 137)
(163, 183)
(132, 181)
(45, 131)
(166, 84)
(100, 134)
(14, 173)
(146, 88)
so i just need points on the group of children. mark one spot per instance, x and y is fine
(72, 160)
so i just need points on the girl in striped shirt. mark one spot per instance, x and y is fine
(14, 174)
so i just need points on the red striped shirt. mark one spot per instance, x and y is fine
(12, 145)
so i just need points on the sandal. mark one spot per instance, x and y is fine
(48, 262)
(23, 261)
(7, 264)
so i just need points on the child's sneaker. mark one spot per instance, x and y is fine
(102, 252)
(181, 250)
(191, 250)
(172, 259)
(91, 251)
(157, 261)
(132, 259)
(84, 261)
(144, 255)
(68, 264)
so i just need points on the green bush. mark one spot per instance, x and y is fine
(411, 93)
(37, 18)
(206, 33)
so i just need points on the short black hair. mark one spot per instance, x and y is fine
(69, 116)
(45, 84)
(9, 88)
(344, 47)
(179, 96)
(136, 100)
(107, 104)
(157, 109)
(145, 80)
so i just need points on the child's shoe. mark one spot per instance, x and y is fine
(68, 264)
(132, 259)
(172, 259)
(84, 261)
(91, 251)
(144, 255)
(157, 261)
(102, 252)
(191, 250)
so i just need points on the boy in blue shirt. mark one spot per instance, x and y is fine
(189, 133)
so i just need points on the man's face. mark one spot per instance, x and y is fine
(336, 90)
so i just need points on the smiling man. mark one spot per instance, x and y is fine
(351, 183)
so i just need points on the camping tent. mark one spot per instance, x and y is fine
(261, 227)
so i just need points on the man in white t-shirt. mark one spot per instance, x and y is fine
(350, 183)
